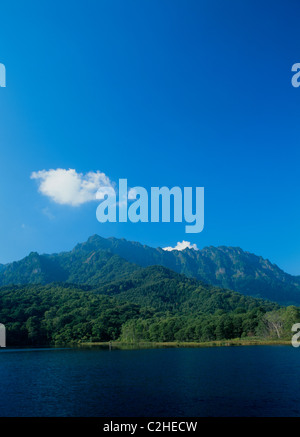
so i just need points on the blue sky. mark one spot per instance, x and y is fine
(174, 93)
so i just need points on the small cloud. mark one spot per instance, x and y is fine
(67, 187)
(23, 226)
(181, 246)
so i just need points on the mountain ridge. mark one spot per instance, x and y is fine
(102, 260)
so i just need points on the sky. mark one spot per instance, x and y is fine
(162, 93)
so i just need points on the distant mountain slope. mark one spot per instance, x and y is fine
(33, 269)
(164, 290)
(226, 267)
(93, 267)
(99, 260)
(78, 267)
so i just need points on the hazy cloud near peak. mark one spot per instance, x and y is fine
(67, 187)
(181, 246)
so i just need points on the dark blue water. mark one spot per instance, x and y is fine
(227, 381)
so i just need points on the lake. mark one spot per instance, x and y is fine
(221, 381)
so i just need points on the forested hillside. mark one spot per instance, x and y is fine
(154, 304)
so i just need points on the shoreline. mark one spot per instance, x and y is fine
(178, 344)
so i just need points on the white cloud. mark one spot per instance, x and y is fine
(67, 187)
(181, 246)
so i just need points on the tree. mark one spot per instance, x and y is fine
(273, 322)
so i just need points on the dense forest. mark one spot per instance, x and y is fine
(65, 314)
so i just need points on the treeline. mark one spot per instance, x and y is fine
(274, 324)
(66, 314)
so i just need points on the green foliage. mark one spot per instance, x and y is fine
(154, 304)
(208, 327)
(39, 315)
(165, 290)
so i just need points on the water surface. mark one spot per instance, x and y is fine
(221, 381)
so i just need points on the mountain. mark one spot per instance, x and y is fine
(108, 289)
(226, 267)
(101, 261)
(165, 290)
(79, 266)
